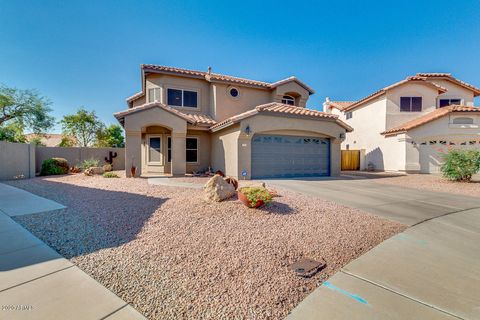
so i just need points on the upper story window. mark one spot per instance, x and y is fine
(349, 115)
(234, 93)
(447, 102)
(182, 98)
(153, 94)
(411, 104)
(288, 100)
(463, 120)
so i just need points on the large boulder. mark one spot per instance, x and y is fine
(217, 189)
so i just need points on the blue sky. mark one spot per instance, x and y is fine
(88, 53)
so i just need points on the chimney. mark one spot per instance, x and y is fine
(327, 99)
(209, 70)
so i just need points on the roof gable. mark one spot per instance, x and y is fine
(436, 114)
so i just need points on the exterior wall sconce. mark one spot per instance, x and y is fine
(342, 135)
(247, 130)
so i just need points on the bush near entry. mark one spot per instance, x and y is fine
(54, 166)
(461, 165)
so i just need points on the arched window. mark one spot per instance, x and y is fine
(288, 100)
(463, 120)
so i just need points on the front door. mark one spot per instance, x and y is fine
(154, 155)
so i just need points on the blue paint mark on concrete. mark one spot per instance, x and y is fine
(348, 294)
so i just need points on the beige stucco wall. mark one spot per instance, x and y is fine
(454, 92)
(75, 155)
(136, 125)
(292, 88)
(225, 106)
(204, 150)
(368, 122)
(268, 124)
(395, 117)
(165, 82)
(17, 160)
(224, 154)
(425, 154)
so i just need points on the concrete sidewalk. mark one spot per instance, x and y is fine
(430, 271)
(36, 282)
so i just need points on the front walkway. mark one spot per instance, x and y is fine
(38, 283)
(430, 271)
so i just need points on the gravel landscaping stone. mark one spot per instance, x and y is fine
(434, 183)
(172, 255)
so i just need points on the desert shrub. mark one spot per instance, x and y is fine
(461, 165)
(54, 166)
(88, 163)
(110, 174)
(254, 194)
(107, 167)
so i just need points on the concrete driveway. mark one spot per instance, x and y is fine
(430, 271)
(405, 205)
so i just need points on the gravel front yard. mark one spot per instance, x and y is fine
(171, 255)
(427, 182)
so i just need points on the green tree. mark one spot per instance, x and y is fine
(37, 141)
(84, 126)
(111, 136)
(66, 142)
(20, 110)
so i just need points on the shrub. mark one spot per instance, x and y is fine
(254, 194)
(88, 163)
(110, 174)
(461, 165)
(107, 167)
(54, 166)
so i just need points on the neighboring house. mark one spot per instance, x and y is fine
(186, 120)
(48, 139)
(408, 125)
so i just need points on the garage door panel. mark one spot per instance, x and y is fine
(289, 156)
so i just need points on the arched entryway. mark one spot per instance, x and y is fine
(156, 150)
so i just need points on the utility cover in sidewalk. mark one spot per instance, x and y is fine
(307, 267)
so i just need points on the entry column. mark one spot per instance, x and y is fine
(179, 162)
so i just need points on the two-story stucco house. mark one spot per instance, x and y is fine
(185, 120)
(408, 125)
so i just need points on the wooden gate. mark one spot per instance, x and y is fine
(350, 159)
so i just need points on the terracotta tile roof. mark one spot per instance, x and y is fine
(225, 78)
(436, 114)
(382, 91)
(279, 108)
(135, 96)
(340, 105)
(194, 119)
(449, 77)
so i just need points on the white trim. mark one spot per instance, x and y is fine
(183, 89)
(289, 97)
(198, 149)
(449, 98)
(155, 99)
(149, 136)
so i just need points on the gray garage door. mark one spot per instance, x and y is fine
(290, 156)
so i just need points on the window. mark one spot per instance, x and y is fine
(154, 149)
(234, 92)
(169, 149)
(192, 150)
(182, 98)
(153, 94)
(288, 100)
(348, 115)
(411, 104)
(446, 102)
(463, 120)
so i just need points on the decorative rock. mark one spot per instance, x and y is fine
(217, 189)
(232, 181)
(94, 170)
